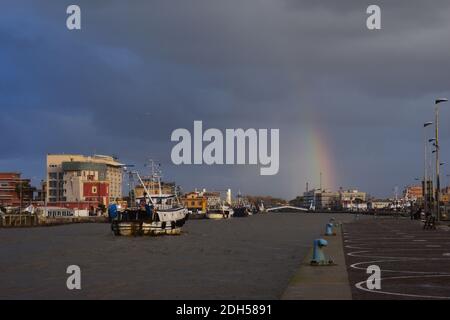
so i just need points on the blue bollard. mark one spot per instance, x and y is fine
(318, 257)
(329, 230)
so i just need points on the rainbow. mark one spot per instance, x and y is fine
(321, 159)
(316, 152)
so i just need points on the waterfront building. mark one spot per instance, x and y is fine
(194, 201)
(413, 193)
(445, 195)
(320, 199)
(83, 181)
(351, 195)
(14, 190)
(212, 198)
(39, 195)
(379, 204)
(61, 212)
(352, 200)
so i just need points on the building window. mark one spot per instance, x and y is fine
(94, 189)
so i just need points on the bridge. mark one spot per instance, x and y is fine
(286, 207)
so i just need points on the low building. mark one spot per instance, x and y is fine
(14, 190)
(317, 199)
(39, 195)
(61, 212)
(356, 205)
(352, 200)
(194, 201)
(352, 195)
(413, 193)
(379, 204)
(212, 198)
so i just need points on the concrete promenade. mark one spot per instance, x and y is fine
(322, 282)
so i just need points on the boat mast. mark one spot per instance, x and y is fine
(155, 176)
(145, 188)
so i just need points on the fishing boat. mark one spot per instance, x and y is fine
(156, 214)
(196, 215)
(220, 212)
(241, 208)
(240, 211)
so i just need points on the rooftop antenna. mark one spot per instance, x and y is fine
(320, 181)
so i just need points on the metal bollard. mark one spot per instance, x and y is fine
(329, 229)
(318, 258)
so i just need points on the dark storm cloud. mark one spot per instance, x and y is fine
(139, 70)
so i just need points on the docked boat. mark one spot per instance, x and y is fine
(219, 212)
(240, 211)
(197, 215)
(241, 208)
(160, 214)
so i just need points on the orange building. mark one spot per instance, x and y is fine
(194, 201)
(413, 192)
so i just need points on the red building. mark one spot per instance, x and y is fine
(96, 191)
(14, 191)
(89, 195)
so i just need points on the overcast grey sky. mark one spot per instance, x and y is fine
(348, 101)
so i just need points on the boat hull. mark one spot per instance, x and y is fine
(240, 212)
(216, 216)
(197, 216)
(171, 224)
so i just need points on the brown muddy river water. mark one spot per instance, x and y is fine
(240, 258)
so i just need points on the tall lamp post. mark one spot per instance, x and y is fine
(425, 176)
(438, 186)
(430, 188)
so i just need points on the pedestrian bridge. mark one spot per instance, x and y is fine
(287, 207)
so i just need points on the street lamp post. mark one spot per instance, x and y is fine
(425, 176)
(432, 183)
(438, 186)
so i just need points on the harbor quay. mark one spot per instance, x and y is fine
(252, 258)
(414, 262)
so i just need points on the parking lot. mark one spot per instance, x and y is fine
(414, 263)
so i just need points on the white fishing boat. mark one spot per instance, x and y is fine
(220, 212)
(157, 214)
